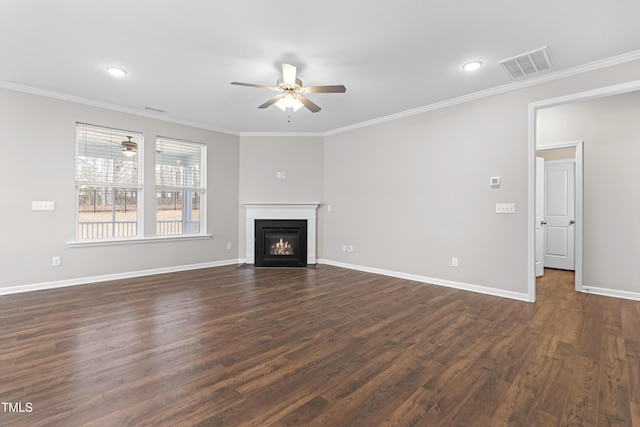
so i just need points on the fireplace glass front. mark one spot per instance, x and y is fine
(281, 243)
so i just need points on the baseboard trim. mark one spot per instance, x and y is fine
(400, 275)
(635, 296)
(108, 277)
(433, 281)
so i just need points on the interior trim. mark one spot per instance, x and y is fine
(531, 163)
(596, 65)
(432, 281)
(108, 277)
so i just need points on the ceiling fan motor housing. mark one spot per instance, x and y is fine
(285, 86)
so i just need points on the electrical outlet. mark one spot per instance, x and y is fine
(229, 246)
(55, 261)
(454, 262)
(344, 248)
(349, 248)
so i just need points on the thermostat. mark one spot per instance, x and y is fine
(495, 181)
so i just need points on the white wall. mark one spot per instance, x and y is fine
(407, 194)
(37, 154)
(610, 129)
(410, 194)
(557, 154)
(261, 157)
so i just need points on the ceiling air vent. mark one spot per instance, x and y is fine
(157, 110)
(526, 64)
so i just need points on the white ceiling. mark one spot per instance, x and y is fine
(392, 56)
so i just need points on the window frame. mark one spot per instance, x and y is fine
(142, 194)
(110, 185)
(199, 188)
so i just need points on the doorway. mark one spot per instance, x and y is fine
(559, 231)
(532, 144)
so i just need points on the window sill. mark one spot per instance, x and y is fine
(125, 241)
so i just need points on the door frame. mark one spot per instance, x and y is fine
(531, 141)
(539, 213)
(577, 241)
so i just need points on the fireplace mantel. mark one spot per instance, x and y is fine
(280, 211)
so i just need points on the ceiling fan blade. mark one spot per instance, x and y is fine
(271, 101)
(325, 89)
(307, 103)
(254, 85)
(289, 74)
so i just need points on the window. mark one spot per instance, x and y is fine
(180, 187)
(108, 182)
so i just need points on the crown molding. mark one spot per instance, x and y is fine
(104, 105)
(284, 134)
(592, 66)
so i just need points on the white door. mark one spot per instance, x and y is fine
(539, 216)
(559, 214)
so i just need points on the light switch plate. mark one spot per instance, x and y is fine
(505, 208)
(42, 206)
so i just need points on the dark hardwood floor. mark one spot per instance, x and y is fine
(318, 347)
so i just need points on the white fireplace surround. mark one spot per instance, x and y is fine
(280, 211)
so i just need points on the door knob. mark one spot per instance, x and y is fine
(543, 222)
(572, 222)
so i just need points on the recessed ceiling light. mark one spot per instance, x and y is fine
(472, 65)
(115, 71)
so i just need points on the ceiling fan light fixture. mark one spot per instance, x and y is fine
(129, 148)
(282, 105)
(289, 99)
(472, 65)
(129, 152)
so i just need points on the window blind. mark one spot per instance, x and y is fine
(100, 160)
(179, 165)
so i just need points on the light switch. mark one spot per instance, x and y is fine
(42, 206)
(505, 208)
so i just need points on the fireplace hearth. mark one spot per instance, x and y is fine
(280, 243)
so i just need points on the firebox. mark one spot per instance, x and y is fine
(280, 243)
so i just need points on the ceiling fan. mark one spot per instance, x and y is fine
(129, 148)
(292, 92)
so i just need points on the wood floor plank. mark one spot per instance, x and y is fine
(515, 406)
(230, 346)
(591, 341)
(632, 348)
(630, 316)
(581, 407)
(480, 408)
(553, 392)
(614, 406)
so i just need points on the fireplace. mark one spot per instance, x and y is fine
(280, 243)
(278, 211)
